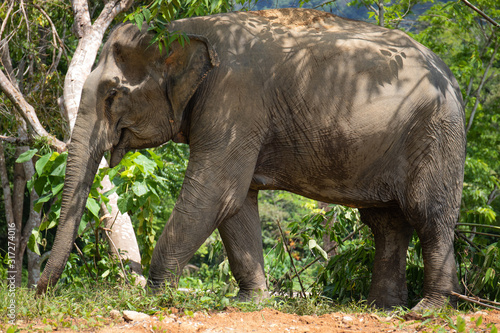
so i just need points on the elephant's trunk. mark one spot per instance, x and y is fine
(84, 155)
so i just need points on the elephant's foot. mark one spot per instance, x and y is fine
(253, 295)
(156, 287)
(388, 300)
(435, 302)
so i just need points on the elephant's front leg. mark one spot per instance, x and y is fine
(242, 237)
(180, 239)
(214, 189)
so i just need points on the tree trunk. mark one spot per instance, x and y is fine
(34, 221)
(17, 205)
(9, 213)
(381, 11)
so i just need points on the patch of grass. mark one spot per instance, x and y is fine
(88, 307)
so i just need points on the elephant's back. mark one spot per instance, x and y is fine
(268, 39)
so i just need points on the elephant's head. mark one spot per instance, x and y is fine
(134, 98)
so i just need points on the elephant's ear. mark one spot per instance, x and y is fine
(187, 66)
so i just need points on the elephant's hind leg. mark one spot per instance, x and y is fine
(435, 228)
(242, 238)
(392, 235)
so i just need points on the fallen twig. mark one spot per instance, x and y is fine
(487, 226)
(476, 301)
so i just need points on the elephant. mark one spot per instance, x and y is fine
(333, 109)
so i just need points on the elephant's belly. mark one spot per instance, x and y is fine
(326, 190)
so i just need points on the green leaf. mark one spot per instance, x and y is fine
(59, 171)
(26, 156)
(313, 245)
(83, 224)
(490, 273)
(461, 324)
(140, 189)
(147, 14)
(39, 184)
(13, 328)
(125, 203)
(40, 164)
(57, 188)
(47, 225)
(145, 164)
(39, 203)
(93, 207)
(139, 19)
(34, 240)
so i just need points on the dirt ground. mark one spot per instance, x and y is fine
(269, 320)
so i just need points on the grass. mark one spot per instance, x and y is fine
(89, 307)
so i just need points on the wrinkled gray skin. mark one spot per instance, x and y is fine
(299, 100)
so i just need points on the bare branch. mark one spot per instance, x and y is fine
(111, 9)
(15, 140)
(480, 12)
(21, 5)
(493, 195)
(56, 39)
(27, 112)
(285, 243)
(472, 300)
(4, 23)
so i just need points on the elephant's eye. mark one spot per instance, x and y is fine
(109, 102)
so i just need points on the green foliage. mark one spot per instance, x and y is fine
(39, 61)
(48, 183)
(159, 13)
(148, 183)
(395, 12)
(139, 189)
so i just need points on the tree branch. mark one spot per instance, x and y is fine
(493, 195)
(4, 23)
(56, 39)
(480, 12)
(475, 301)
(27, 112)
(111, 9)
(15, 140)
(82, 17)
